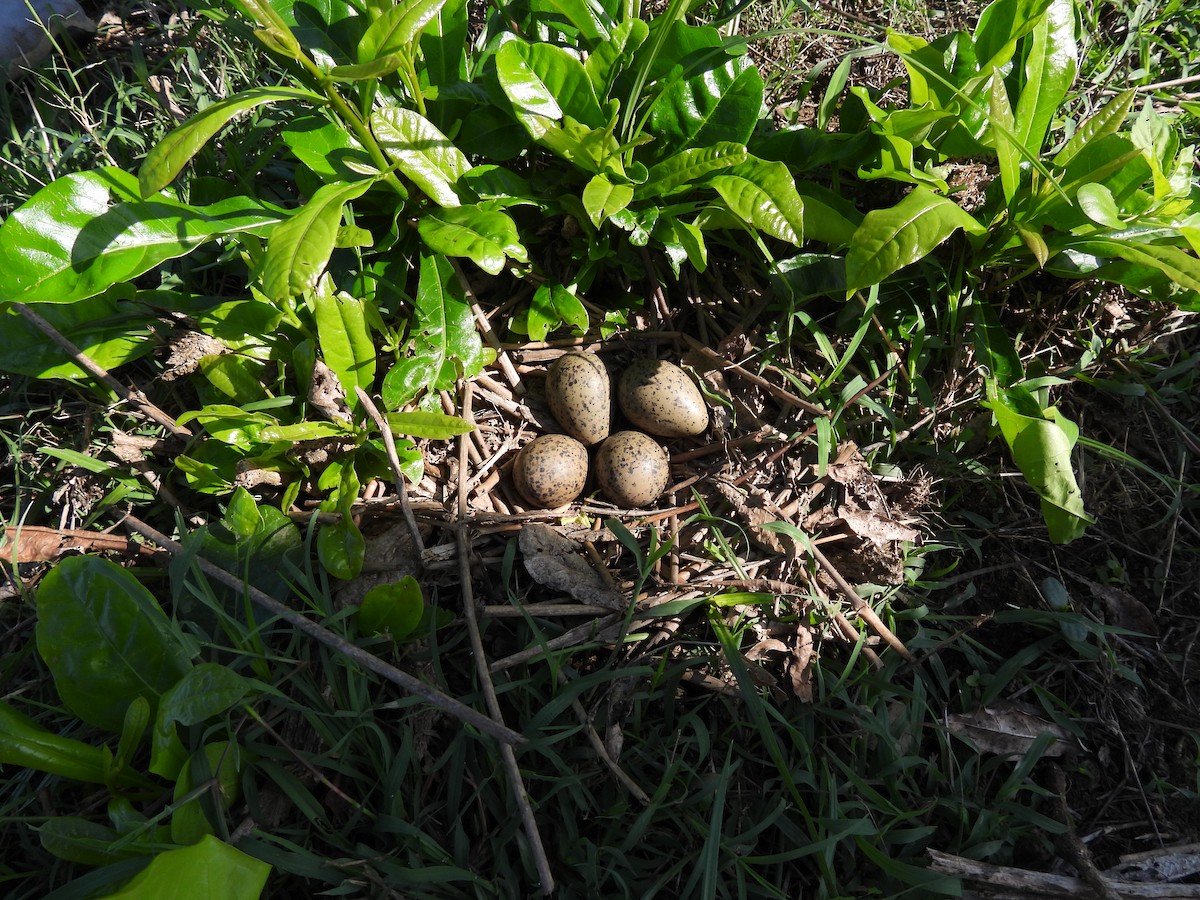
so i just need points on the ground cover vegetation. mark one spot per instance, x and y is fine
(280, 283)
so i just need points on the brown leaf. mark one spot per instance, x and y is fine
(877, 528)
(555, 562)
(1006, 730)
(37, 543)
(800, 666)
(186, 351)
(326, 394)
(1125, 610)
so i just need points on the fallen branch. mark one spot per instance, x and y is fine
(1043, 884)
(320, 633)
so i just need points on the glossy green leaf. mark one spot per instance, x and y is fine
(242, 516)
(828, 217)
(1105, 121)
(611, 57)
(421, 152)
(105, 640)
(890, 239)
(1178, 265)
(431, 425)
(397, 29)
(345, 340)
(1098, 204)
(589, 17)
(443, 44)
(207, 869)
(487, 237)
(683, 242)
(1003, 129)
(763, 194)
(443, 339)
(111, 333)
(687, 168)
(1001, 25)
(27, 744)
(602, 198)
(552, 305)
(720, 104)
(84, 233)
(205, 691)
(1041, 447)
(394, 609)
(167, 158)
(543, 81)
(1049, 67)
(341, 548)
(371, 70)
(299, 249)
(326, 147)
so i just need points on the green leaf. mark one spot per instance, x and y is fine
(682, 242)
(84, 233)
(83, 841)
(486, 237)
(167, 158)
(1041, 447)
(1178, 265)
(25, 743)
(545, 81)
(299, 249)
(719, 104)
(763, 194)
(1003, 138)
(1001, 25)
(203, 871)
(1106, 121)
(1050, 66)
(367, 71)
(553, 304)
(216, 763)
(397, 29)
(341, 548)
(443, 338)
(111, 333)
(602, 198)
(589, 17)
(105, 640)
(687, 168)
(326, 147)
(1098, 204)
(432, 425)
(395, 609)
(205, 691)
(421, 152)
(345, 341)
(828, 217)
(890, 239)
(611, 57)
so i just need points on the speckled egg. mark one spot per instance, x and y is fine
(551, 470)
(580, 396)
(660, 398)
(631, 469)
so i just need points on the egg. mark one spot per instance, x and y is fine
(580, 396)
(551, 470)
(631, 469)
(660, 398)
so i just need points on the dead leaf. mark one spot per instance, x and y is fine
(1007, 730)
(800, 666)
(755, 511)
(326, 395)
(762, 648)
(876, 528)
(38, 543)
(1125, 610)
(555, 562)
(186, 351)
